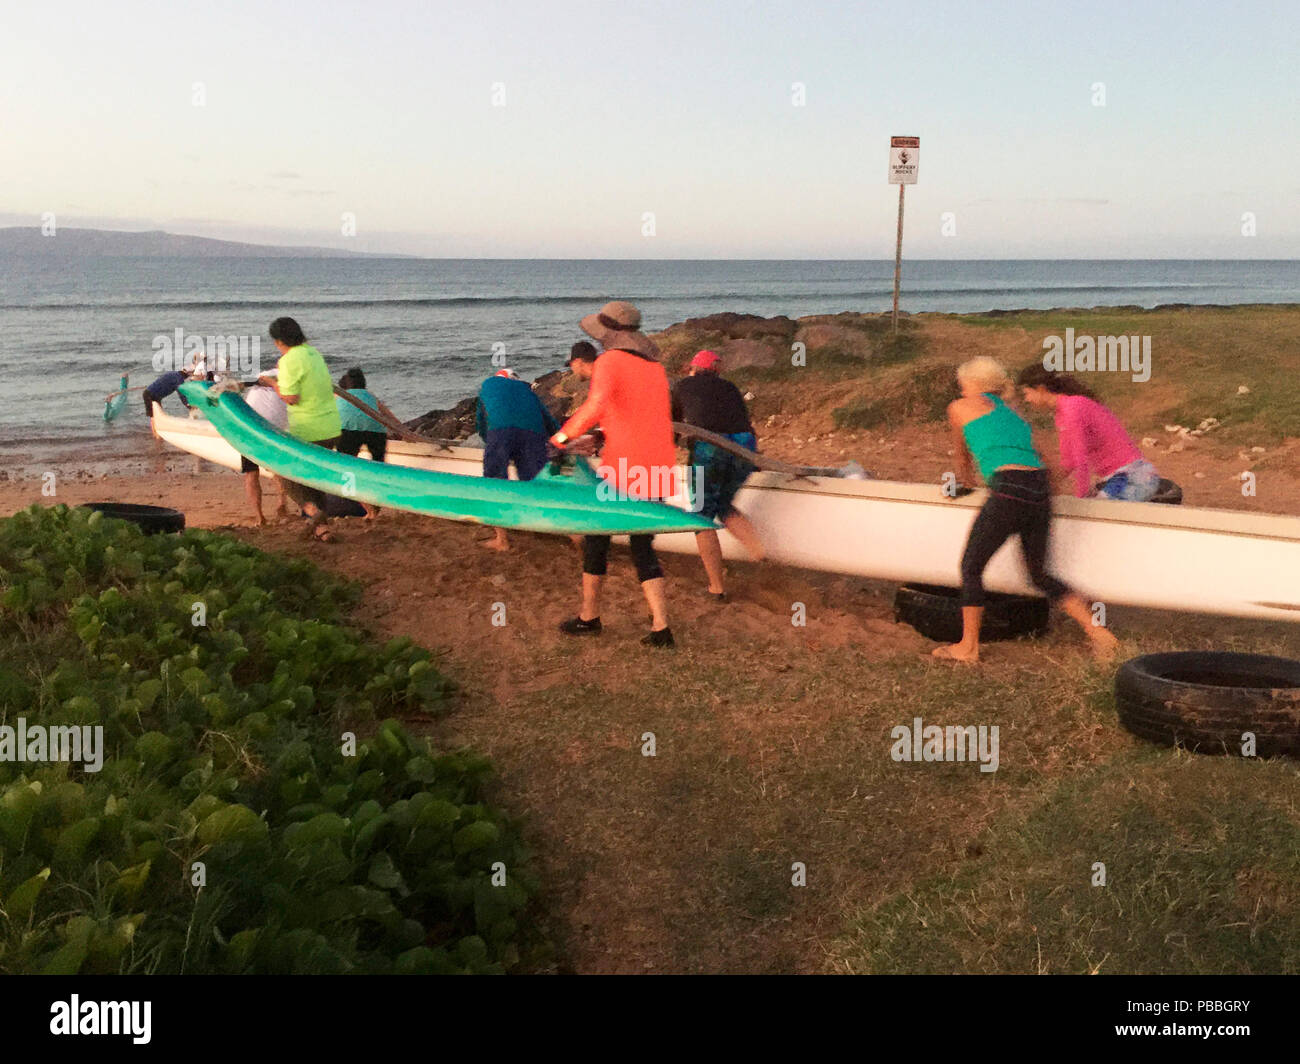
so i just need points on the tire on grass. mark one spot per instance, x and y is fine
(1206, 700)
(151, 519)
(935, 612)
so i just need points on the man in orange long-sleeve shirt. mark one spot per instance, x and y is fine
(629, 399)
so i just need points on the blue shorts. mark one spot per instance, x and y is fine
(1136, 482)
(720, 475)
(527, 450)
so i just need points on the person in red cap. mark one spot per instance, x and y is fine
(629, 399)
(709, 401)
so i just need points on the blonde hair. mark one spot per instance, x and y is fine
(985, 372)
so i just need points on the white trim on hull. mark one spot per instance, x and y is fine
(1139, 554)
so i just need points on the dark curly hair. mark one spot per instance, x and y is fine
(1036, 376)
(287, 331)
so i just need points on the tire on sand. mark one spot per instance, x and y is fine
(935, 612)
(1168, 492)
(1206, 700)
(151, 519)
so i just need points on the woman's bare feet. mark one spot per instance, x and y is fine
(957, 652)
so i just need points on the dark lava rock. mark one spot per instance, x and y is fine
(453, 424)
(743, 326)
(558, 390)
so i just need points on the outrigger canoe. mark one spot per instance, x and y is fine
(1196, 560)
(554, 501)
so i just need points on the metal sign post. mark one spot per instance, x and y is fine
(904, 161)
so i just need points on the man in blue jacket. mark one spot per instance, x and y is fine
(515, 425)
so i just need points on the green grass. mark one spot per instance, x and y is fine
(1200, 356)
(920, 395)
(1201, 859)
(1201, 854)
(911, 867)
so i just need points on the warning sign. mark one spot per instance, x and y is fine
(904, 160)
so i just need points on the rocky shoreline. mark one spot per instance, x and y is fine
(744, 341)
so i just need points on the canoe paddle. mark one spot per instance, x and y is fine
(394, 426)
(123, 391)
(760, 461)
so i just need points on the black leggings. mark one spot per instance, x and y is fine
(1019, 503)
(352, 440)
(595, 556)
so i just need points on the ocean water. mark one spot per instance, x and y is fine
(424, 330)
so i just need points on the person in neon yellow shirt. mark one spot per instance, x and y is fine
(305, 385)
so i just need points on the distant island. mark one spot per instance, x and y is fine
(104, 243)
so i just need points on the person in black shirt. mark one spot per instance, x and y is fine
(708, 401)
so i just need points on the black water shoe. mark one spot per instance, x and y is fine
(661, 638)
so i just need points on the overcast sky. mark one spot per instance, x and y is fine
(685, 109)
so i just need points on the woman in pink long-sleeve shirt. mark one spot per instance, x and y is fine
(1094, 445)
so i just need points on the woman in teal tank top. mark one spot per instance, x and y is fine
(1000, 439)
(989, 434)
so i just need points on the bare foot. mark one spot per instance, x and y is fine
(956, 652)
(494, 544)
(1104, 645)
(319, 531)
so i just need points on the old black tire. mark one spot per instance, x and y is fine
(935, 612)
(1206, 700)
(1168, 492)
(151, 519)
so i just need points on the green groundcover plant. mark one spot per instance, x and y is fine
(233, 826)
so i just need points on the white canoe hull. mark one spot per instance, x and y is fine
(1139, 554)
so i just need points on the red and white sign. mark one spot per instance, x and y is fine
(904, 160)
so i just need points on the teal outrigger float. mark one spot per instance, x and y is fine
(116, 400)
(572, 501)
